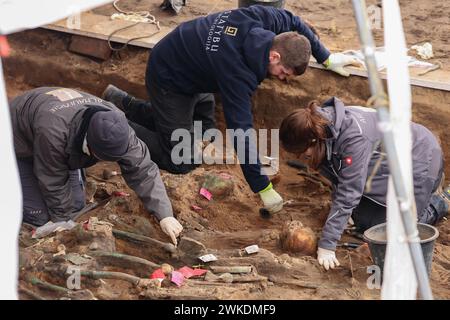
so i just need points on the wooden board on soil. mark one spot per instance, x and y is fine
(436, 79)
(101, 27)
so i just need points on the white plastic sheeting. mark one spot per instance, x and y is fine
(399, 280)
(16, 15)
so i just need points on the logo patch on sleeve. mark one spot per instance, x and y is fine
(231, 31)
(64, 94)
(348, 160)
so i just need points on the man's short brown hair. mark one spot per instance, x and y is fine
(294, 49)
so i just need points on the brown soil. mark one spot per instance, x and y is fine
(225, 226)
(423, 21)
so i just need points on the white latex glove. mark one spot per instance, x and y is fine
(327, 258)
(171, 227)
(337, 61)
(271, 199)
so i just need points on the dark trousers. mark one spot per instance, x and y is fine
(167, 111)
(369, 213)
(35, 210)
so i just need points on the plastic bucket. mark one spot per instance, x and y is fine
(272, 3)
(376, 239)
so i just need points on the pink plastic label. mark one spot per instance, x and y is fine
(199, 272)
(196, 208)
(188, 272)
(177, 278)
(206, 193)
(120, 194)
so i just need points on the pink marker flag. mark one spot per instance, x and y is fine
(206, 193)
(189, 272)
(177, 278)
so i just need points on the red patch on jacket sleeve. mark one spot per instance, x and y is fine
(348, 160)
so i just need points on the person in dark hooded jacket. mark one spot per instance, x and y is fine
(343, 142)
(57, 132)
(229, 52)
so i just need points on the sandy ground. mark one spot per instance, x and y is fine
(225, 225)
(423, 21)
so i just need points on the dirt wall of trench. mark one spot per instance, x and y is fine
(40, 58)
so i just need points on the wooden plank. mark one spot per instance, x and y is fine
(90, 46)
(100, 27)
(438, 79)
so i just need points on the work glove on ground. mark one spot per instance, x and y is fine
(327, 258)
(171, 227)
(337, 61)
(271, 199)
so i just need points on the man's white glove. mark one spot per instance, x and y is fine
(271, 199)
(171, 227)
(337, 61)
(327, 258)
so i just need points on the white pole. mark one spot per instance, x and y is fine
(402, 190)
(399, 279)
(10, 203)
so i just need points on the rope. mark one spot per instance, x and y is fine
(143, 14)
(383, 97)
(139, 17)
(438, 65)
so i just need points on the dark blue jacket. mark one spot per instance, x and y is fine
(226, 52)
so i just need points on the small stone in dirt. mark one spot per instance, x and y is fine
(274, 235)
(143, 225)
(226, 277)
(209, 276)
(28, 257)
(77, 260)
(149, 283)
(61, 250)
(112, 217)
(284, 258)
(90, 190)
(191, 247)
(108, 174)
(220, 185)
(363, 250)
(93, 246)
(81, 295)
(165, 283)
